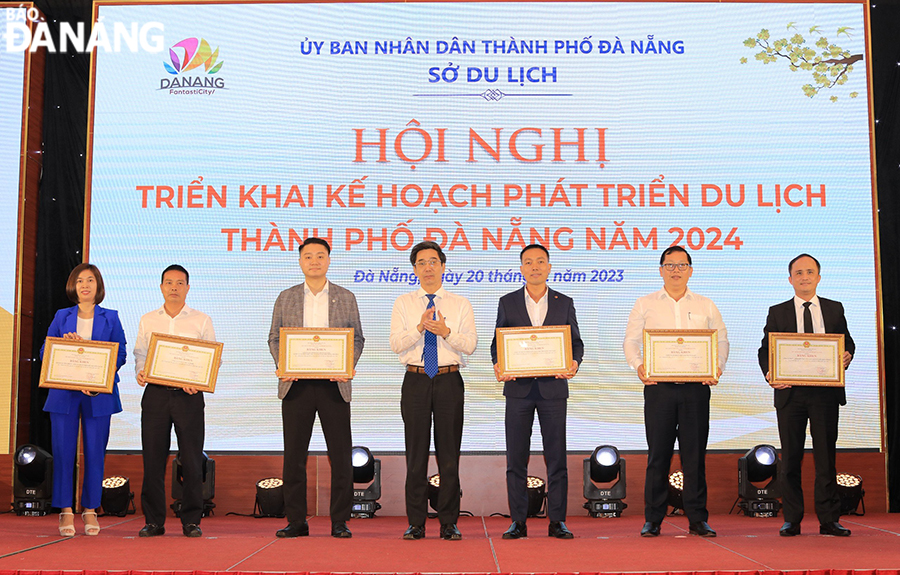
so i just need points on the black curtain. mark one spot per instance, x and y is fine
(885, 20)
(61, 200)
(61, 210)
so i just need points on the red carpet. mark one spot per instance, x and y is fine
(237, 545)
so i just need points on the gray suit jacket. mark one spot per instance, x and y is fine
(342, 312)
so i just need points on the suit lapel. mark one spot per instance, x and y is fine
(553, 309)
(99, 327)
(521, 308)
(71, 323)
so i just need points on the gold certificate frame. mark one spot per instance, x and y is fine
(177, 361)
(544, 351)
(79, 364)
(315, 352)
(681, 355)
(811, 359)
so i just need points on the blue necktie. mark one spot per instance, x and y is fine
(429, 352)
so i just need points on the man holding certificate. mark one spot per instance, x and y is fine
(795, 405)
(316, 303)
(676, 409)
(536, 304)
(431, 331)
(162, 407)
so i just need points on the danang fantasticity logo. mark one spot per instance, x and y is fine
(193, 54)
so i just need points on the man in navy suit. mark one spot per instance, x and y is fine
(808, 313)
(536, 304)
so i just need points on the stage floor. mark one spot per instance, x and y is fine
(240, 544)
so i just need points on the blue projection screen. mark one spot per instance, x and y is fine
(605, 130)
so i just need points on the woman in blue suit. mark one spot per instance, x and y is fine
(88, 321)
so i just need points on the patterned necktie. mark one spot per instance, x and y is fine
(807, 318)
(430, 352)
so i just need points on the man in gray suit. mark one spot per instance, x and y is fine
(316, 303)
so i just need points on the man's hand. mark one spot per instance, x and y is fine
(779, 386)
(190, 390)
(848, 357)
(714, 381)
(285, 379)
(344, 379)
(436, 326)
(141, 379)
(503, 378)
(642, 374)
(573, 369)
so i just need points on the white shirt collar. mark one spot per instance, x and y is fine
(309, 292)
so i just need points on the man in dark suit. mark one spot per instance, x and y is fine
(808, 313)
(316, 303)
(536, 304)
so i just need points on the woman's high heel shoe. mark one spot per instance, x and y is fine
(90, 528)
(66, 530)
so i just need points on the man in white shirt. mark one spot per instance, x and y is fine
(431, 332)
(316, 303)
(675, 410)
(162, 407)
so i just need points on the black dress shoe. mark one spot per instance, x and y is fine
(650, 529)
(293, 530)
(517, 530)
(450, 532)
(191, 530)
(702, 529)
(339, 529)
(789, 529)
(559, 530)
(834, 529)
(414, 532)
(151, 530)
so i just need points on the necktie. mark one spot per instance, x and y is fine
(429, 352)
(807, 318)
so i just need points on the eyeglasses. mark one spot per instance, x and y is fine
(432, 263)
(679, 267)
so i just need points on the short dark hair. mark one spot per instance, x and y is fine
(175, 268)
(426, 246)
(791, 265)
(318, 241)
(673, 249)
(72, 293)
(533, 247)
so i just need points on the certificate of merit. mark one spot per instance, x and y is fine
(681, 355)
(79, 365)
(534, 351)
(183, 362)
(806, 359)
(315, 353)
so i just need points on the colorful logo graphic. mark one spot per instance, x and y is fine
(194, 52)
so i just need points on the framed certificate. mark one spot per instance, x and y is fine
(806, 359)
(315, 352)
(178, 361)
(79, 365)
(681, 355)
(534, 351)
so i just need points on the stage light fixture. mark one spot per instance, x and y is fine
(537, 494)
(760, 464)
(117, 498)
(434, 490)
(209, 485)
(269, 498)
(604, 466)
(366, 469)
(851, 492)
(676, 489)
(32, 480)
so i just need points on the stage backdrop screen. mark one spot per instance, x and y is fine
(605, 130)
